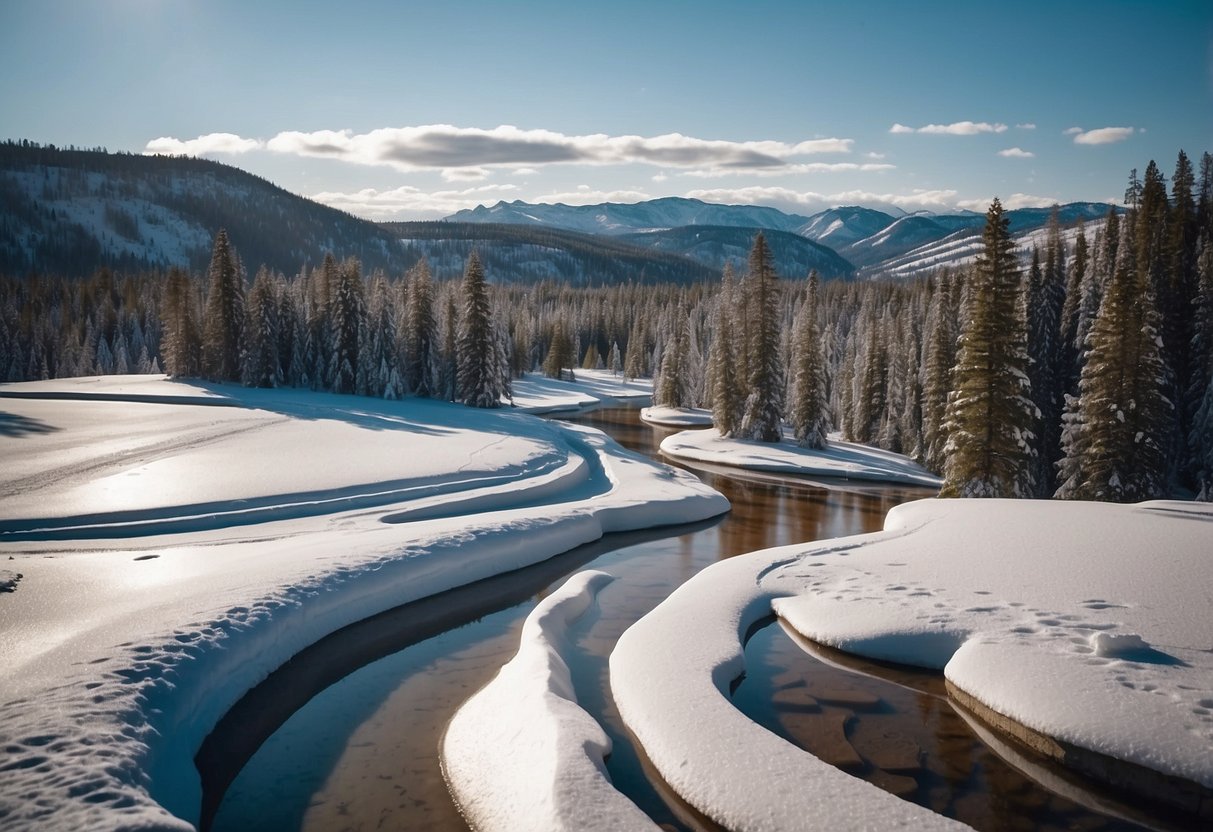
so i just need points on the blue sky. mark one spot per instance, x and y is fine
(413, 110)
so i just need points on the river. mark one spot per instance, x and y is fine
(361, 750)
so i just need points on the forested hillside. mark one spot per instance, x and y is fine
(73, 211)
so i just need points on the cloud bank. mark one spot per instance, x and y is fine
(445, 147)
(1101, 135)
(206, 145)
(956, 128)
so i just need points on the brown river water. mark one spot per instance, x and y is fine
(351, 728)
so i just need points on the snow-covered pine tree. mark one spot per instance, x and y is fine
(1119, 437)
(939, 358)
(616, 363)
(726, 387)
(182, 342)
(379, 367)
(560, 352)
(223, 322)
(261, 367)
(634, 365)
(990, 412)
(347, 321)
(446, 365)
(477, 376)
(420, 331)
(1071, 349)
(1045, 296)
(1200, 390)
(672, 381)
(809, 416)
(763, 419)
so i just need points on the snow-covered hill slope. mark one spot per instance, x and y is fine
(716, 245)
(620, 218)
(73, 211)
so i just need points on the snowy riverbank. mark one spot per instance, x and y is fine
(1084, 622)
(174, 552)
(845, 460)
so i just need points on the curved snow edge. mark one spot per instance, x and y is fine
(669, 687)
(137, 752)
(842, 460)
(521, 753)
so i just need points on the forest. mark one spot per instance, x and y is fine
(1079, 369)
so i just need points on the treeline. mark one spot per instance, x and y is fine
(1081, 369)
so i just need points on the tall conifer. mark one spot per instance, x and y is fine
(990, 412)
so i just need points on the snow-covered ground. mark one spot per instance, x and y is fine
(677, 417)
(536, 393)
(179, 541)
(1086, 622)
(839, 459)
(521, 753)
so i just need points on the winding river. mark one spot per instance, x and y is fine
(351, 727)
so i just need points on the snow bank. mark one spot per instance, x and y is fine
(1015, 600)
(677, 417)
(121, 655)
(521, 754)
(670, 676)
(837, 459)
(535, 393)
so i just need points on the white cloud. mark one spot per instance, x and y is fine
(1071, 131)
(956, 128)
(201, 146)
(524, 171)
(1027, 125)
(802, 168)
(1011, 203)
(408, 202)
(660, 177)
(874, 155)
(1101, 135)
(1017, 153)
(445, 147)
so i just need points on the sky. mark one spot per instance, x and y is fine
(402, 110)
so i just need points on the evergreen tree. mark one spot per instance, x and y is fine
(1117, 442)
(1045, 297)
(478, 374)
(671, 388)
(1070, 345)
(937, 371)
(634, 365)
(261, 368)
(448, 365)
(727, 401)
(1200, 390)
(347, 321)
(182, 343)
(420, 331)
(223, 322)
(763, 419)
(560, 352)
(616, 361)
(990, 412)
(809, 417)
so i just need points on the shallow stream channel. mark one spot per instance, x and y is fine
(346, 735)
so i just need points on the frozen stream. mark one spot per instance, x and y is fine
(362, 753)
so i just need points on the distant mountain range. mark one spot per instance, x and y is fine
(72, 211)
(618, 218)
